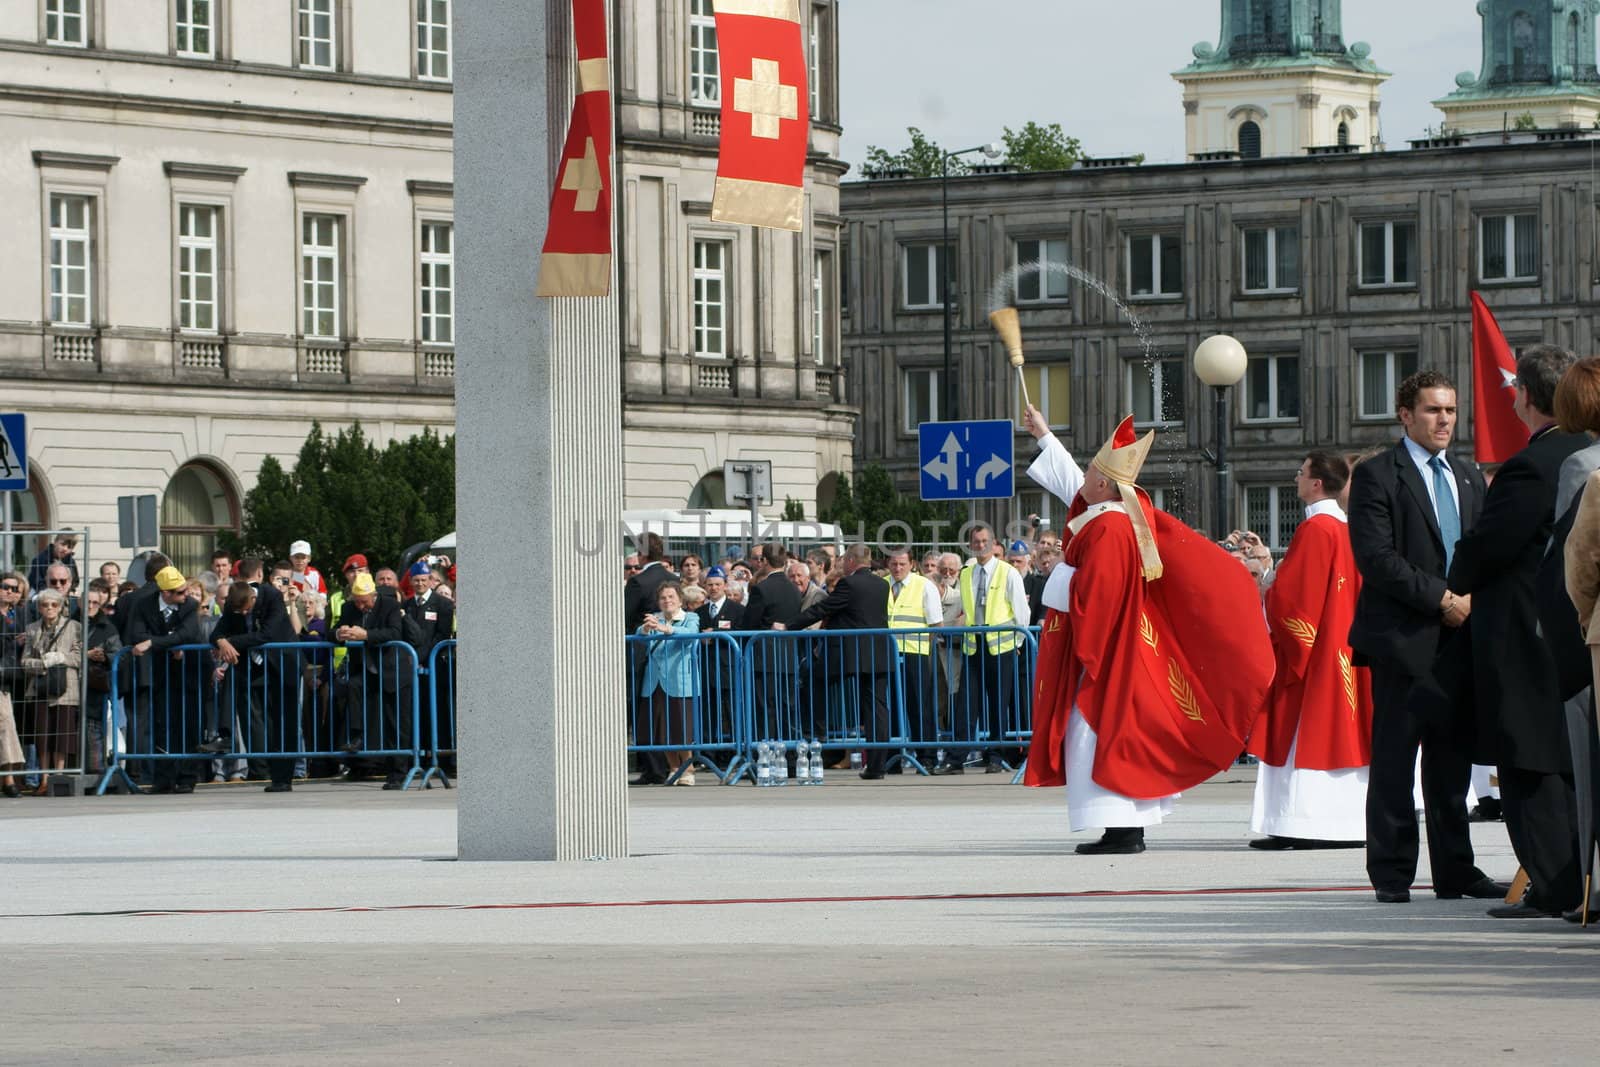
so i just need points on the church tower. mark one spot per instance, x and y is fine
(1539, 60)
(1280, 82)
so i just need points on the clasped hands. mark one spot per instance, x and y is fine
(1455, 608)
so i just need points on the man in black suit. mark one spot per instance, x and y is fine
(170, 701)
(273, 676)
(639, 600)
(772, 600)
(1408, 508)
(1521, 714)
(370, 619)
(860, 601)
(718, 658)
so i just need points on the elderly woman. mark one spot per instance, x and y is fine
(53, 641)
(671, 676)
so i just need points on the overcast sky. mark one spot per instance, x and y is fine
(962, 69)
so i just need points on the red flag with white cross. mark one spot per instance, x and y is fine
(766, 122)
(577, 246)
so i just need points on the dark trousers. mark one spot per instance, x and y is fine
(1541, 820)
(988, 695)
(1392, 840)
(279, 689)
(920, 684)
(872, 694)
(176, 718)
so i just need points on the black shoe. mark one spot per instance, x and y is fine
(1122, 841)
(1393, 896)
(947, 768)
(186, 787)
(994, 766)
(161, 790)
(1273, 843)
(871, 776)
(1482, 889)
(1521, 910)
(1487, 810)
(350, 748)
(394, 783)
(279, 787)
(1575, 916)
(649, 779)
(898, 768)
(216, 745)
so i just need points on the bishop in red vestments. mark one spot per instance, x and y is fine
(1314, 735)
(1149, 679)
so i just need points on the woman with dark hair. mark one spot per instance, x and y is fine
(671, 677)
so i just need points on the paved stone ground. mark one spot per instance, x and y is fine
(333, 924)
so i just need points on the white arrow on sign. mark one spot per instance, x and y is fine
(946, 468)
(992, 469)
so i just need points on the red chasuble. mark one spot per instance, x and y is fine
(1317, 692)
(1170, 673)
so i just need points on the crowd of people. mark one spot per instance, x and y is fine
(338, 689)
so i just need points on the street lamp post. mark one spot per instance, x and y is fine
(947, 409)
(1220, 361)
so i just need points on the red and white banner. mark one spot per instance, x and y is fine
(577, 246)
(1497, 433)
(766, 114)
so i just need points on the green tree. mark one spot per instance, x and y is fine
(793, 510)
(1525, 121)
(1036, 147)
(922, 159)
(866, 505)
(346, 496)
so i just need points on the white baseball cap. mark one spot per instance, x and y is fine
(300, 548)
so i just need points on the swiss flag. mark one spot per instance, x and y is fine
(576, 259)
(766, 114)
(1497, 433)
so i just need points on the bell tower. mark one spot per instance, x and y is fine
(1280, 81)
(1538, 60)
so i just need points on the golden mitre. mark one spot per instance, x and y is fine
(1120, 459)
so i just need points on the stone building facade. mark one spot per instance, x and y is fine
(1339, 273)
(228, 219)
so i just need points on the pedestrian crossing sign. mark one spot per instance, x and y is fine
(13, 453)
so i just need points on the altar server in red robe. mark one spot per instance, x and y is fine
(1314, 736)
(1149, 679)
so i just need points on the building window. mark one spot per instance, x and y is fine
(1344, 135)
(195, 28)
(705, 88)
(71, 261)
(923, 263)
(197, 268)
(1272, 260)
(1273, 512)
(821, 268)
(433, 40)
(1155, 265)
(1050, 388)
(710, 298)
(197, 506)
(1272, 389)
(1155, 391)
(1508, 248)
(319, 276)
(1388, 253)
(1381, 374)
(66, 23)
(1049, 281)
(1249, 140)
(814, 68)
(922, 400)
(437, 279)
(316, 34)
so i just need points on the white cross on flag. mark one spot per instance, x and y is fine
(761, 161)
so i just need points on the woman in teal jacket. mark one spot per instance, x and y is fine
(671, 676)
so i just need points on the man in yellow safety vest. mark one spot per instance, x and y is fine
(992, 595)
(914, 605)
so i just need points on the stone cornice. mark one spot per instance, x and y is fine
(75, 160)
(303, 178)
(214, 171)
(418, 187)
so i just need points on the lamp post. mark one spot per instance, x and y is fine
(947, 409)
(1220, 361)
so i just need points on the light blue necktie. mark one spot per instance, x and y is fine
(1445, 505)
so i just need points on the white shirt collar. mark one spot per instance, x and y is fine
(1421, 456)
(1326, 507)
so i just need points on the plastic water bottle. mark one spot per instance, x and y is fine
(855, 753)
(763, 764)
(780, 763)
(816, 762)
(802, 763)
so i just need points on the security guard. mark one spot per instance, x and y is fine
(914, 604)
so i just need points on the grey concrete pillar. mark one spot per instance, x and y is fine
(540, 727)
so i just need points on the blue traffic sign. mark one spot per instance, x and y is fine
(13, 453)
(966, 460)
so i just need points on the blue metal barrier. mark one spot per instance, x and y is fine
(686, 702)
(441, 675)
(187, 707)
(893, 692)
